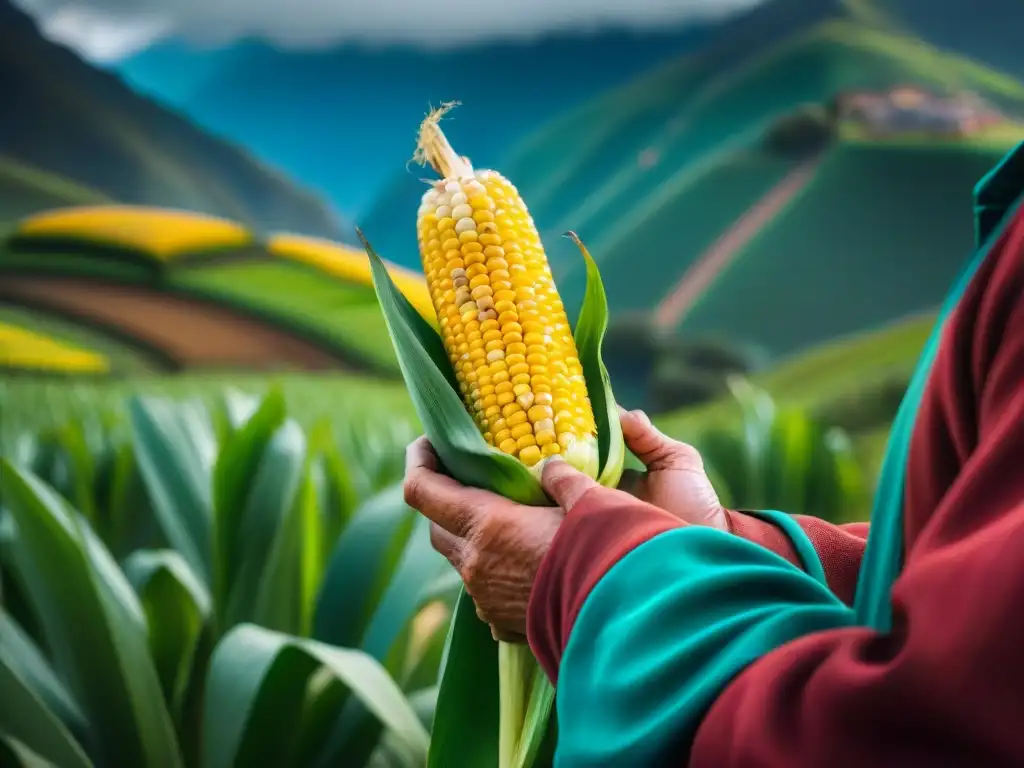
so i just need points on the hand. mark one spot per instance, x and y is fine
(495, 544)
(674, 479)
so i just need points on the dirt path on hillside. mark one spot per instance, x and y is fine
(189, 332)
(709, 265)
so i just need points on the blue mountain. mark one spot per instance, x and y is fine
(343, 121)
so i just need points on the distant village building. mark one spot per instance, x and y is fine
(648, 158)
(908, 109)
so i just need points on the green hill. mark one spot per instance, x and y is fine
(653, 174)
(68, 120)
(881, 231)
(25, 189)
(856, 381)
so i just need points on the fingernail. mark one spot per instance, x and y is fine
(555, 458)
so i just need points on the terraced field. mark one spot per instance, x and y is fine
(182, 291)
(22, 349)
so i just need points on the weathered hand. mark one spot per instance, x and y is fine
(495, 544)
(675, 479)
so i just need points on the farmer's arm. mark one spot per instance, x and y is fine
(688, 646)
(839, 547)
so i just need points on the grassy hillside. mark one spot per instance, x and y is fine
(25, 189)
(879, 232)
(32, 403)
(89, 129)
(654, 173)
(841, 380)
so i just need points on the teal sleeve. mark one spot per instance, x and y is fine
(667, 628)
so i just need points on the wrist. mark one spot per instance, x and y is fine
(762, 532)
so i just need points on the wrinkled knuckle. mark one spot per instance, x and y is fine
(469, 568)
(688, 454)
(485, 531)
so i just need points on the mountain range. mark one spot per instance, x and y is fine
(344, 120)
(71, 133)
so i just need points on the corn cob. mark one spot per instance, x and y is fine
(500, 316)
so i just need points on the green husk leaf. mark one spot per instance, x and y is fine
(589, 336)
(431, 384)
(466, 721)
(538, 722)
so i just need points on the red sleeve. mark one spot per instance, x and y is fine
(944, 686)
(839, 547)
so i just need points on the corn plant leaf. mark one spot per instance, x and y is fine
(426, 664)
(758, 414)
(16, 754)
(177, 606)
(346, 601)
(791, 461)
(28, 662)
(589, 336)
(237, 464)
(264, 587)
(334, 483)
(446, 587)
(424, 704)
(92, 623)
(727, 463)
(239, 407)
(839, 489)
(431, 383)
(390, 624)
(119, 495)
(308, 526)
(82, 464)
(420, 565)
(24, 713)
(175, 447)
(466, 721)
(257, 691)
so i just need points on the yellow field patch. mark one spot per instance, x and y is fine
(160, 232)
(22, 348)
(351, 264)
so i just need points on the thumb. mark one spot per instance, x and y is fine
(565, 484)
(656, 450)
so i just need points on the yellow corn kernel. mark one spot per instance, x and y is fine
(501, 319)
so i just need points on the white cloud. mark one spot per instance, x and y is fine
(110, 29)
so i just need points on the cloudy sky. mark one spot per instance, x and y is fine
(107, 30)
